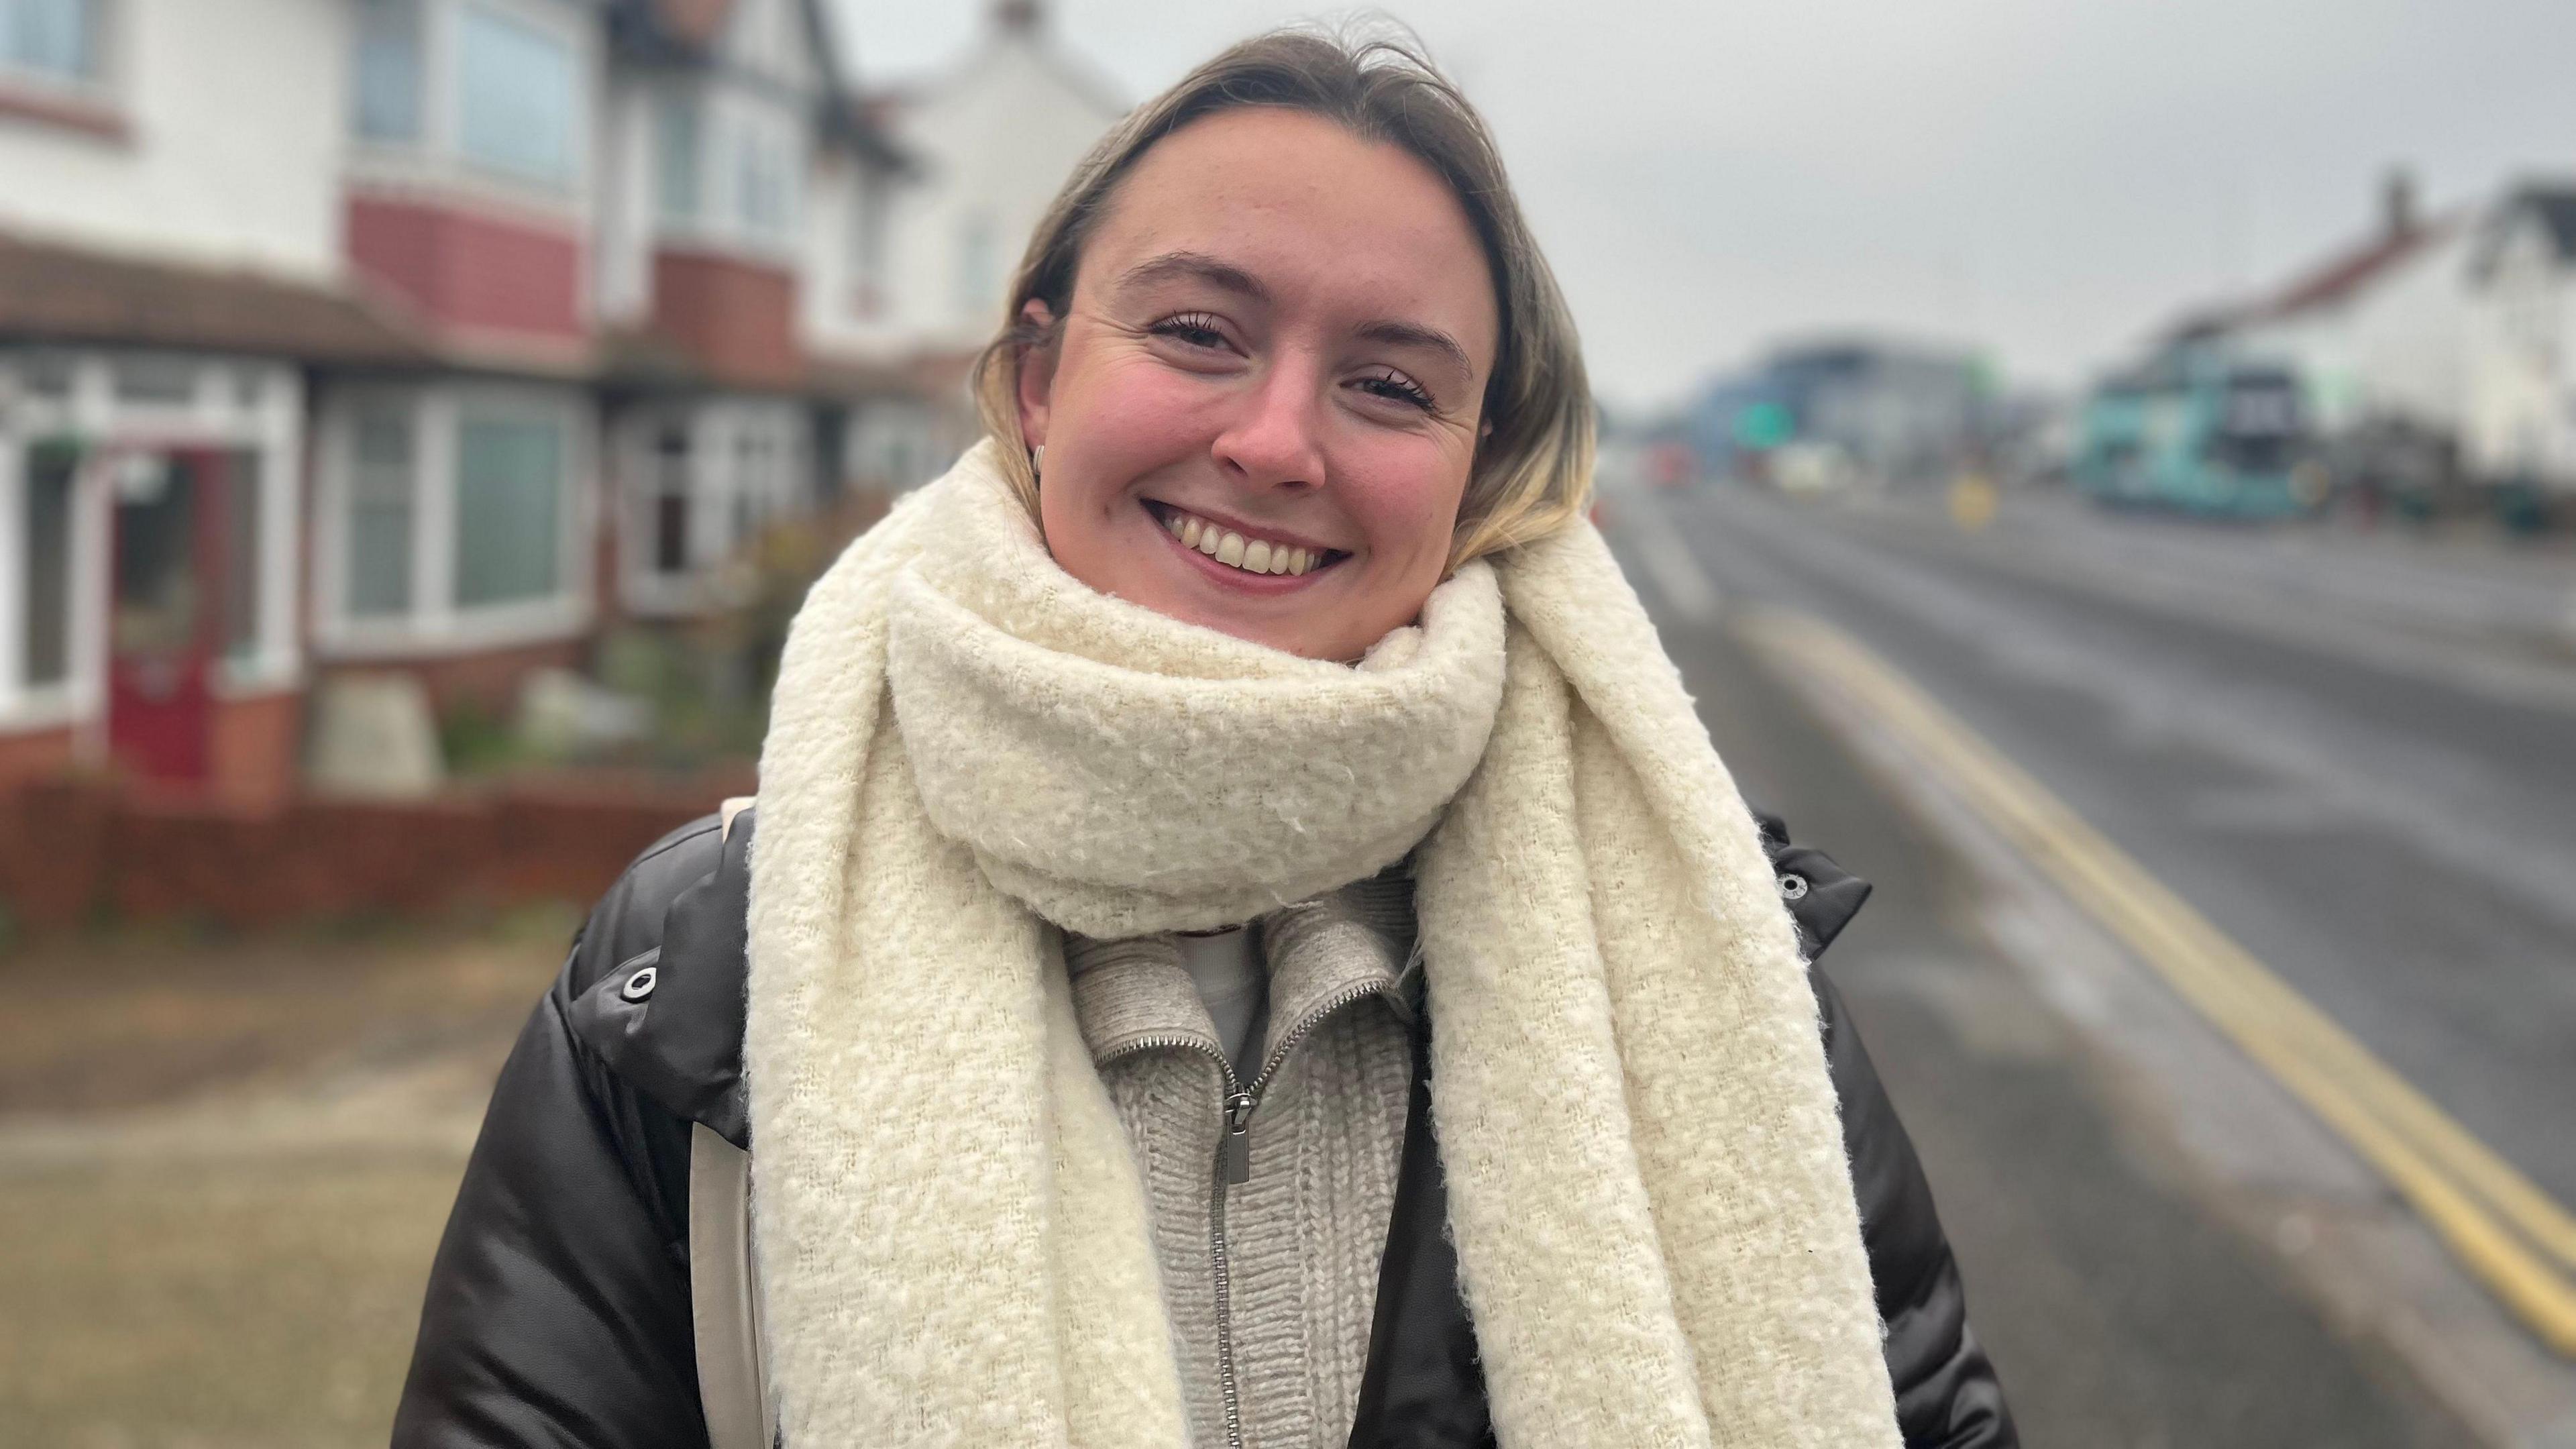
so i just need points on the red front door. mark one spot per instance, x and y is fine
(165, 623)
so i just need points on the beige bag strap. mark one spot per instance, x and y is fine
(724, 1297)
(724, 1308)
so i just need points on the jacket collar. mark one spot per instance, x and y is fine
(1339, 946)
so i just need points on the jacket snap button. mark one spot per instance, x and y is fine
(639, 985)
(1793, 886)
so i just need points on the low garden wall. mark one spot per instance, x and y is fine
(77, 851)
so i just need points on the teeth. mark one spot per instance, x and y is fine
(1257, 556)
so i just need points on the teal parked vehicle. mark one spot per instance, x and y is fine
(2200, 433)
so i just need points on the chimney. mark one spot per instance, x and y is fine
(2397, 203)
(1019, 17)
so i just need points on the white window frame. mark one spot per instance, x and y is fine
(717, 429)
(438, 153)
(581, 105)
(101, 90)
(213, 417)
(731, 119)
(435, 624)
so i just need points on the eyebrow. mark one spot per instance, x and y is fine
(1408, 334)
(1199, 266)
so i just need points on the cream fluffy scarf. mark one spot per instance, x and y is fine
(971, 752)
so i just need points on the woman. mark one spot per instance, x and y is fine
(1243, 939)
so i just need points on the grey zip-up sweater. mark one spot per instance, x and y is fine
(1269, 1236)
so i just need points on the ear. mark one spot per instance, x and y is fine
(1037, 372)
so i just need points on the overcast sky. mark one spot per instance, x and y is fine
(2045, 179)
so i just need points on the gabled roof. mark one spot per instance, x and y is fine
(685, 33)
(55, 293)
(2348, 273)
(2552, 204)
(2339, 278)
(668, 28)
(1015, 25)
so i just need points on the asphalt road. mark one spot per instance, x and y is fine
(2379, 803)
(2398, 844)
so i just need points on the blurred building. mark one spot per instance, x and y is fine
(2376, 330)
(2520, 423)
(995, 139)
(433, 336)
(1880, 411)
(2425, 355)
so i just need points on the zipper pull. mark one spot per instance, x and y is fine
(1238, 1136)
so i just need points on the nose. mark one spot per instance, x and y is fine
(1272, 440)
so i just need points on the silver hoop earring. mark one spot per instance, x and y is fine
(1037, 458)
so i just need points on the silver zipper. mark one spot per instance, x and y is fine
(1234, 1165)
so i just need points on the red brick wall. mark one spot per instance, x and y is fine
(34, 755)
(471, 271)
(738, 317)
(70, 852)
(255, 747)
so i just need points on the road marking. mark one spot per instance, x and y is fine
(1668, 561)
(2504, 1228)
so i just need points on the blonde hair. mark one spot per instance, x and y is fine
(1532, 473)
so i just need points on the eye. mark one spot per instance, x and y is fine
(1191, 329)
(1395, 386)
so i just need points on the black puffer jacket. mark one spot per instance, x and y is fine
(558, 1309)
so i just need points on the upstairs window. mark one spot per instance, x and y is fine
(386, 105)
(517, 93)
(868, 247)
(495, 86)
(55, 39)
(764, 197)
(979, 271)
(679, 141)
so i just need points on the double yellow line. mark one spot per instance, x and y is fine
(2511, 1234)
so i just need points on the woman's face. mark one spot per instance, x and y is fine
(1267, 392)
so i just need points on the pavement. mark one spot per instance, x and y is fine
(2219, 957)
(224, 1165)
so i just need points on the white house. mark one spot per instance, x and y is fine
(2521, 385)
(2378, 329)
(399, 334)
(170, 258)
(995, 139)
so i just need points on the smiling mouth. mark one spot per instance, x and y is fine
(1244, 553)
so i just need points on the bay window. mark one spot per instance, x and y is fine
(496, 86)
(388, 71)
(45, 539)
(454, 515)
(727, 166)
(679, 149)
(517, 91)
(380, 513)
(764, 182)
(56, 40)
(706, 479)
(509, 509)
